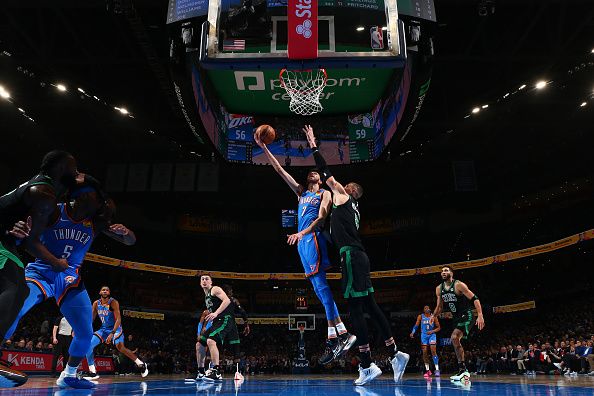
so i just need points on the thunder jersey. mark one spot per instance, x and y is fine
(308, 209)
(106, 314)
(68, 239)
(344, 225)
(426, 324)
(457, 305)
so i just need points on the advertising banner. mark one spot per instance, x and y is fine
(515, 307)
(38, 362)
(302, 20)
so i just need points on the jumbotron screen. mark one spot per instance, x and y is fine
(343, 138)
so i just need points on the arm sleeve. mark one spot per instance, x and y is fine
(321, 165)
(239, 310)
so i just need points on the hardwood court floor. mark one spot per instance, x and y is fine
(313, 385)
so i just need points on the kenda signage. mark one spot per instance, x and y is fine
(252, 92)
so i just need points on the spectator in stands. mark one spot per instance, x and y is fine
(502, 360)
(517, 364)
(21, 344)
(582, 354)
(61, 338)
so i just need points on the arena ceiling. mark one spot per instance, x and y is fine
(120, 55)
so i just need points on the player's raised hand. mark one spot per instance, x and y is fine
(294, 238)
(480, 322)
(309, 134)
(258, 141)
(119, 229)
(21, 229)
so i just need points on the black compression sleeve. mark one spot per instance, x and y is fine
(321, 165)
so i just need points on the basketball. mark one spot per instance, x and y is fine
(266, 133)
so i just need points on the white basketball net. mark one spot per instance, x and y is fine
(305, 88)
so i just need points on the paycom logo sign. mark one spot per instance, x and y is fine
(260, 81)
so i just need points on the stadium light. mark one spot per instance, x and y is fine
(583, 104)
(360, 28)
(61, 87)
(540, 85)
(476, 110)
(485, 106)
(123, 110)
(4, 93)
(21, 110)
(592, 51)
(522, 86)
(81, 90)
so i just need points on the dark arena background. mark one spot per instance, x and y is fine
(468, 123)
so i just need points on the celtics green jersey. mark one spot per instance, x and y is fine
(213, 303)
(457, 305)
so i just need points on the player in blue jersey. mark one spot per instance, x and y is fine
(314, 206)
(429, 329)
(203, 327)
(110, 332)
(70, 235)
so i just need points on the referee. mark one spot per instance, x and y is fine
(61, 338)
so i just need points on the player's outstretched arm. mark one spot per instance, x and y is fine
(94, 311)
(340, 195)
(121, 233)
(415, 327)
(438, 304)
(296, 187)
(462, 288)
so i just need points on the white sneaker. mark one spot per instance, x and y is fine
(399, 363)
(463, 375)
(143, 370)
(591, 373)
(92, 376)
(367, 375)
(558, 365)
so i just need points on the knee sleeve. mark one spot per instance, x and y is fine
(34, 297)
(322, 290)
(76, 307)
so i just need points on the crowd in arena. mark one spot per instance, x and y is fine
(556, 339)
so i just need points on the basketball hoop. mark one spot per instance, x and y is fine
(305, 88)
(301, 329)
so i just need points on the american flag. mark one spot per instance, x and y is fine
(234, 45)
